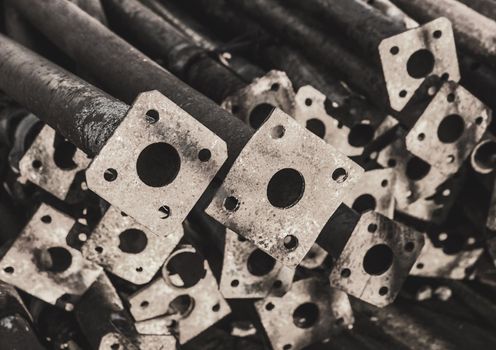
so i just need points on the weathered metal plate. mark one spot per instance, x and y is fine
(127, 249)
(321, 175)
(248, 272)
(164, 161)
(117, 341)
(310, 112)
(310, 312)
(434, 262)
(421, 190)
(39, 167)
(252, 103)
(314, 258)
(375, 191)
(400, 53)
(376, 259)
(449, 128)
(153, 306)
(42, 264)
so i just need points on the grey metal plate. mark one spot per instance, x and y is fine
(281, 143)
(122, 151)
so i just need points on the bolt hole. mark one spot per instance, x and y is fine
(46, 219)
(110, 175)
(308, 101)
(450, 97)
(402, 93)
(132, 241)
(420, 266)
(185, 269)
(277, 132)
(372, 228)
(99, 249)
(437, 34)
(394, 50)
(364, 203)
(269, 306)
(36, 164)
(231, 203)
(345, 273)
(417, 169)
(420, 64)
(204, 155)
(259, 114)
(384, 183)
(274, 87)
(479, 120)
(421, 136)
(216, 307)
(391, 162)
(144, 304)
(383, 290)
(139, 269)
(451, 128)
(152, 116)
(164, 211)
(260, 263)
(290, 242)
(339, 175)
(234, 283)
(9, 270)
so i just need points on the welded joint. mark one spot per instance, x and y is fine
(449, 128)
(42, 264)
(270, 194)
(310, 312)
(254, 103)
(410, 57)
(248, 272)
(128, 249)
(185, 299)
(163, 157)
(376, 259)
(52, 163)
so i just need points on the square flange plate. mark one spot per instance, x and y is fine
(407, 56)
(283, 188)
(157, 163)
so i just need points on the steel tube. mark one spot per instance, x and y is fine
(180, 55)
(80, 112)
(124, 71)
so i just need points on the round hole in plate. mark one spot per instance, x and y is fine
(402, 93)
(110, 175)
(260, 263)
(394, 50)
(372, 228)
(9, 270)
(274, 87)
(165, 211)
(259, 114)
(421, 136)
(316, 126)
(451, 128)
(308, 101)
(383, 290)
(132, 241)
(417, 169)
(290, 242)
(189, 268)
(269, 306)
(306, 315)
(339, 175)
(378, 259)
(420, 64)
(277, 132)
(158, 164)
(345, 273)
(363, 203)
(437, 34)
(231, 203)
(152, 116)
(46, 219)
(36, 164)
(204, 155)
(285, 188)
(409, 246)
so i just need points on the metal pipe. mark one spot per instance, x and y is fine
(124, 71)
(181, 56)
(312, 40)
(484, 7)
(360, 22)
(473, 31)
(80, 112)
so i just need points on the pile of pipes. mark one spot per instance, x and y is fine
(247, 174)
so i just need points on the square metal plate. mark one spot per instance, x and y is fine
(157, 164)
(283, 187)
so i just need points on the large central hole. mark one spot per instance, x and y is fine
(451, 128)
(54, 259)
(259, 114)
(132, 241)
(317, 127)
(285, 188)
(378, 259)
(364, 203)
(306, 315)
(63, 155)
(259, 263)
(360, 135)
(185, 269)
(181, 305)
(420, 64)
(485, 155)
(158, 164)
(417, 169)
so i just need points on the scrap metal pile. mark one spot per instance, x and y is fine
(247, 174)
